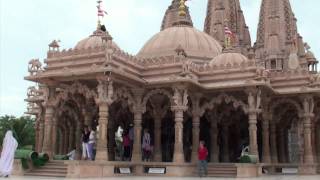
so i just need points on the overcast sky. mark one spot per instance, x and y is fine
(28, 26)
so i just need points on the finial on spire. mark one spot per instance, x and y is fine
(182, 8)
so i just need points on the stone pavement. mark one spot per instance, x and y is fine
(288, 177)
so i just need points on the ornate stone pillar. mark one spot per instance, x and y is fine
(87, 117)
(41, 135)
(254, 102)
(180, 100)
(102, 148)
(157, 139)
(61, 141)
(273, 137)
(308, 106)
(313, 141)
(178, 156)
(78, 142)
(137, 128)
(71, 138)
(37, 135)
(226, 157)
(48, 130)
(66, 140)
(214, 141)
(281, 145)
(266, 158)
(195, 136)
(137, 154)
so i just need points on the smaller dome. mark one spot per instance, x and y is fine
(310, 56)
(195, 43)
(95, 40)
(228, 58)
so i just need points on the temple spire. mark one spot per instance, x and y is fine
(277, 36)
(227, 13)
(176, 14)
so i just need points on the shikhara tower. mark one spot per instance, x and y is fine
(185, 85)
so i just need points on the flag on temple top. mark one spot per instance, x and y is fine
(101, 12)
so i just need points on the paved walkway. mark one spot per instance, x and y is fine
(288, 177)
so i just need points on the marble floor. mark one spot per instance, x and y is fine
(288, 177)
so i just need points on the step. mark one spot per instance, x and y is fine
(49, 171)
(45, 174)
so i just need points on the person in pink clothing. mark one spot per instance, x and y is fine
(126, 146)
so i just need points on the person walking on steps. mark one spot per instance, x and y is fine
(202, 160)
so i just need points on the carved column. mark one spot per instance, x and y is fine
(87, 117)
(157, 139)
(102, 153)
(71, 138)
(78, 142)
(308, 114)
(195, 136)
(214, 142)
(281, 145)
(41, 135)
(313, 141)
(66, 140)
(226, 157)
(48, 140)
(137, 154)
(61, 141)
(273, 137)
(266, 158)
(254, 104)
(138, 111)
(178, 156)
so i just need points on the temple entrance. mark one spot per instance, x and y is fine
(159, 122)
(225, 131)
(289, 133)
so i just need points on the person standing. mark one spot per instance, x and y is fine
(126, 146)
(202, 157)
(85, 140)
(9, 147)
(91, 143)
(131, 137)
(146, 145)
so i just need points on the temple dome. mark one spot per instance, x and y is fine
(194, 42)
(228, 58)
(95, 40)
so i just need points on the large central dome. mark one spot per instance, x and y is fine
(195, 43)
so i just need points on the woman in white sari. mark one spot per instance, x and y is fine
(9, 147)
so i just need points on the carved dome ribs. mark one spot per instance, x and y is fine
(229, 58)
(96, 40)
(194, 42)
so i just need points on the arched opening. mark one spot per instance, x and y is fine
(159, 122)
(225, 131)
(289, 133)
(119, 125)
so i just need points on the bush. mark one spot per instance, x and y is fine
(245, 159)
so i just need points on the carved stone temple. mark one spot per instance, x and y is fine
(185, 85)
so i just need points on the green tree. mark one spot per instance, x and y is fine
(22, 128)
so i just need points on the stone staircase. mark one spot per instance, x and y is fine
(54, 169)
(221, 170)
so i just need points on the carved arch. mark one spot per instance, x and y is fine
(124, 93)
(278, 102)
(154, 92)
(73, 89)
(223, 98)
